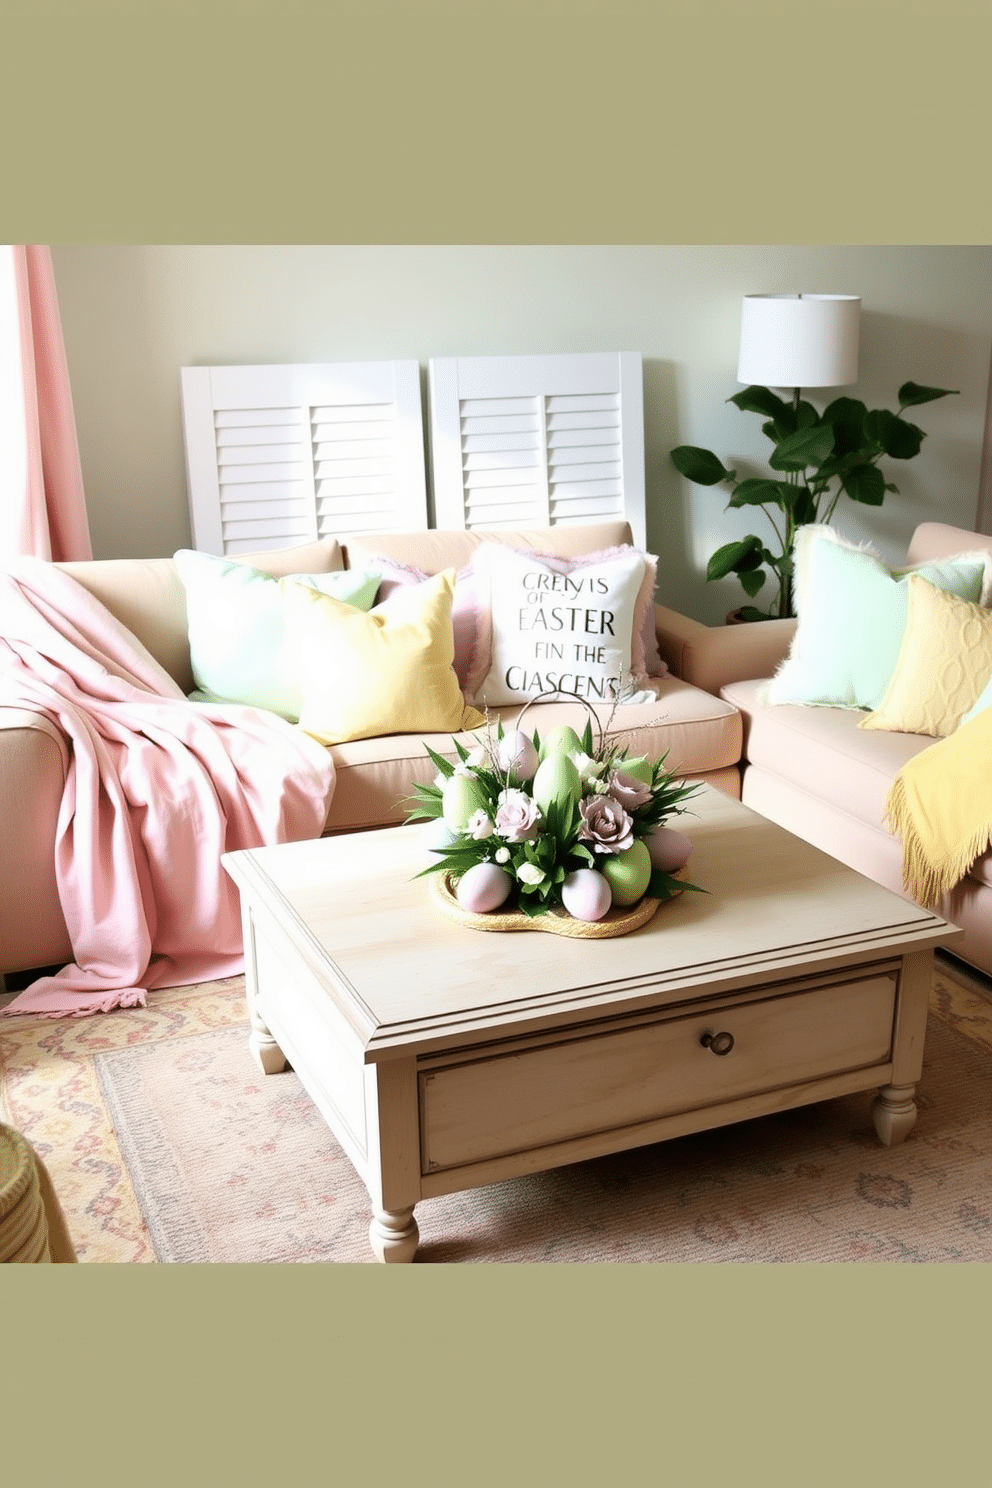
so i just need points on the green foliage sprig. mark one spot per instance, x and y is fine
(817, 457)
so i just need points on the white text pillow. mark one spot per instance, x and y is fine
(570, 631)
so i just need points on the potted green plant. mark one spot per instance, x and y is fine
(816, 459)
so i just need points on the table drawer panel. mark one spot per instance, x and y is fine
(514, 1102)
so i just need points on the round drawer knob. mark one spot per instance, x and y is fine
(718, 1043)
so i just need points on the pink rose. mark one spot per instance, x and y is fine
(629, 791)
(517, 816)
(605, 824)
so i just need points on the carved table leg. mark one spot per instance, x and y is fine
(894, 1112)
(393, 1234)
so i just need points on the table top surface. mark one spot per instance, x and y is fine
(403, 972)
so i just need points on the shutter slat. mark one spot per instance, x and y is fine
(587, 488)
(509, 423)
(596, 470)
(255, 457)
(595, 509)
(275, 527)
(509, 459)
(257, 418)
(275, 435)
(347, 445)
(482, 443)
(503, 513)
(255, 511)
(559, 421)
(486, 479)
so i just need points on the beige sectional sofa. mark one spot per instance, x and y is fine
(700, 732)
(811, 769)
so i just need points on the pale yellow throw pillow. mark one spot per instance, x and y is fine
(388, 671)
(944, 663)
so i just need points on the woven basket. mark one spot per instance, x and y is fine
(556, 921)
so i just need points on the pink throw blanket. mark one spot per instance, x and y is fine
(157, 789)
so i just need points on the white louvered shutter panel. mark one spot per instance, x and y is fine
(533, 441)
(281, 455)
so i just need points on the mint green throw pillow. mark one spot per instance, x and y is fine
(237, 633)
(852, 613)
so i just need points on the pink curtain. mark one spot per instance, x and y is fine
(42, 507)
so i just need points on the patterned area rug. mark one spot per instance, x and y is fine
(166, 1144)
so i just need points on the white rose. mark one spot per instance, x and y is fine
(529, 873)
(479, 825)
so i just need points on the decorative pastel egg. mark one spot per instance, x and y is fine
(586, 894)
(516, 754)
(483, 888)
(641, 768)
(669, 850)
(560, 740)
(628, 873)
(556, 779)
(461, 798)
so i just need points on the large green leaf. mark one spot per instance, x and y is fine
(759, 491)
(760, 400)
(700, 466)
(865, 483)
(841, 464)
(752, 580)
(735, 557)
(912, 392)
(847, 415)
(899, 439)
(789, 420)
(809, 446)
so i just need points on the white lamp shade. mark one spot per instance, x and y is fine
(799, 341)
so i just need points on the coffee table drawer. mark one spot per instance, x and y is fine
(571, 1086)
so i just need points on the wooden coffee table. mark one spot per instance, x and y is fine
(444, 1058)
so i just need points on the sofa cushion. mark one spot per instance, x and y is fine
(822, 750)
(147, 595)
(944, 663)
(569, 624)
(236, 628)
(473, 640)
(438, 548)
(852, 615)
(700, 733)
(466, 619)
(390, 671)
(869, 847)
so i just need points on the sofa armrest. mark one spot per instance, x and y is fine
(710, 656)
(34, 760)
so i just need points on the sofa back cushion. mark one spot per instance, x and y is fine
(434, 550)
(147, 595)
(938, 540)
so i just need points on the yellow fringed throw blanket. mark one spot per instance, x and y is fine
(941, 806)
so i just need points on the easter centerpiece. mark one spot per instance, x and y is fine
(560, 833)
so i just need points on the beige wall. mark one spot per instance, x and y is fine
(134, 315)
